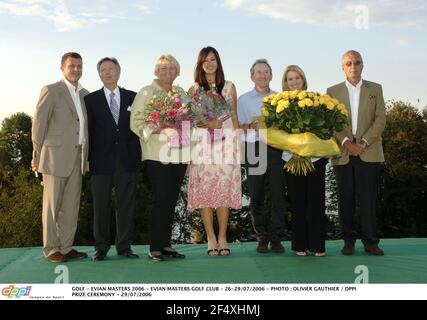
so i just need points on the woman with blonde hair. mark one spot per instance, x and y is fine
(165, 170)
(307, 193)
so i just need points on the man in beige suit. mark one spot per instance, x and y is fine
(59, 135)
(357, 170)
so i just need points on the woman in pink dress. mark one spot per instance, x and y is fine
(214, 174)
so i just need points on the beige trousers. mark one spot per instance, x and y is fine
(61, 201)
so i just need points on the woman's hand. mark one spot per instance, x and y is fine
(213, 124)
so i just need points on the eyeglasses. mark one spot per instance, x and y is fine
(354, 63)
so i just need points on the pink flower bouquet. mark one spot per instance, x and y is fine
(211, 106)
(172, 113)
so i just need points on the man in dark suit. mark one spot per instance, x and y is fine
(357, 171)
(114, 156)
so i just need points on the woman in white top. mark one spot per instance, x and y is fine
(165, 166)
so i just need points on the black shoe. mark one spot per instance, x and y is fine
(128, 254)
(156, 256)
(99, 255)
(262, 246)
(75, 255)
(374, 249)
(56, 257)
(277, 247)
(348, 249)
(173, 254)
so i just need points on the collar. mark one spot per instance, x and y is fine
(72, 87)
(116, 91)
(357, 86)
(254, 93)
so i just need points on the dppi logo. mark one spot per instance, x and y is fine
(15, 292)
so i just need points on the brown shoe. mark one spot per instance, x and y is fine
(277, 247)
(262, 247)
(74, 254)
(56, 257)
(374, 249)
(348, 249)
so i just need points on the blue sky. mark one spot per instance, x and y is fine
(390, 34)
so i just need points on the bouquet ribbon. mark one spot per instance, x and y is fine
(301, 145)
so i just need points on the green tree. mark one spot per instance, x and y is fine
(15, 141)
(20, 208)
(403, 187)
(332, 218)
(20, 191)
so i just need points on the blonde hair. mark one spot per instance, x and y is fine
(297, 70)
(168, 58)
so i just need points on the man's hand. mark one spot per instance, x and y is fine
(254, 125)
(34, 166)
(363, 144)
(353, 148)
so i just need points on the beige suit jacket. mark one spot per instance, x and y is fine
(55, 131)
(370, 122)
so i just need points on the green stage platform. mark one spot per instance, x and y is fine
(405, 262)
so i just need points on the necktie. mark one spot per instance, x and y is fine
(115, 110)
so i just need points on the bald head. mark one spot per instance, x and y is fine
(352, 65)
(353, 53)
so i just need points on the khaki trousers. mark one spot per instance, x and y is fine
(61, 201)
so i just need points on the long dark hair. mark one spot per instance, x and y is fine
(200, 75)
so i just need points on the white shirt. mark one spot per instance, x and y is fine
(75, 96)
(116, 95)
(249, 105)
(354, 97)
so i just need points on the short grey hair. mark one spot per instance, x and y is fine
(169, 58)
(353, 52)
(259, 61)
(113, 60)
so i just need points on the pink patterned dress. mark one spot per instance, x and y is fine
(214, 173)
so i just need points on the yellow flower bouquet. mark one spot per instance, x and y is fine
(302, 123)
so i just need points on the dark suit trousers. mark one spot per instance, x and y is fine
(125, 189)
(358, 178)
(275, 177)
(307, 195)
(166, 181)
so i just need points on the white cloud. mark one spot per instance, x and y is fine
(144, 7)
(68, 15)
(23, 7)
(337, 12)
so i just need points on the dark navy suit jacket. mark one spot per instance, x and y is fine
(107, 141)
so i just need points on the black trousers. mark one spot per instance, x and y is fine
(307, 196)
(272, 229)
(125, 189)
(358, 179)
(166, 181)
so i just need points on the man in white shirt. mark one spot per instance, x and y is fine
(59, 135)
(357, 170)
(263, 164)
